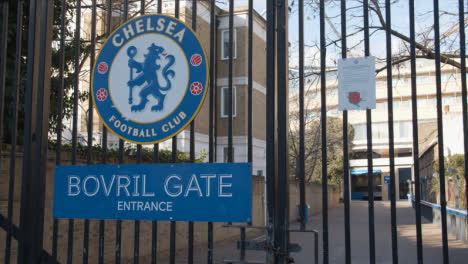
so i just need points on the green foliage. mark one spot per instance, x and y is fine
(130, 151)
(313, 151)
(456, 162)
(55, 84)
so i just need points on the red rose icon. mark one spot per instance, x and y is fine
(354, 98)
(196, 88)
(101, 94)
(196, 60)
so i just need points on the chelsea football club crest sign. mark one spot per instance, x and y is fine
(150, 79)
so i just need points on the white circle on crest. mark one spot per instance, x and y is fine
(119, 75)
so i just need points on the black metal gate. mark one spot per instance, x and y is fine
(47, 47)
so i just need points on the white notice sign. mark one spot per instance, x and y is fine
(356, 83)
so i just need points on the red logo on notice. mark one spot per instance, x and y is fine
(354, 98)
(196, 60)
(196, 88)
(101, 94)
(102, 68)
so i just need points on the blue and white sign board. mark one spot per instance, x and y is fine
(216, 192)
(150, 79)
(386, 179)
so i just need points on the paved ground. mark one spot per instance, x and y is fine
(359, 239)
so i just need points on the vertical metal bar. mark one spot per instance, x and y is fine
(154, 224)
(282, 209)
(75, 123)
(440, 136)
(190, 242)
(213, 48)
(159, 6)
(391, 144)
(174, 160)
(370, 172)
(27, 130)
(3, 59)
(39, 138)
(414, 104)
(249, 83)
(14, 105)
(136, 237)
(270, 131)
(30, 239)
(461, 16)
(90, 123)
(136, 241)
(104, 157)
(154, 241)
(172, 242)
(212, 74)
(142, 12)
(316, 248)
(58, 150)
(301, 159)
(125, 11)
(249, 110)
(76, 80)
(346, 197)
(231, 35)
(192, 144)
(216, 90)
(323, 121)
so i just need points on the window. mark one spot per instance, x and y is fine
(426, 102)
(225, 102)
(447, 77)
(406, 129)
(405, 104)
(382, 105)
(424, 79)
(449, 100)
(379, 131)
(225, 44)
(360, 132)
(225, 157)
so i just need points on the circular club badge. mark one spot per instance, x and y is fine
(150, 79)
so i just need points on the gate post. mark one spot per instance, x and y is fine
(35, 131)
(277, 143)
(282, 91)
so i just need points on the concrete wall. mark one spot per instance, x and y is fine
(457, 221)
(313, 199)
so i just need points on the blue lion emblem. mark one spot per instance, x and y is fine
(148, 74)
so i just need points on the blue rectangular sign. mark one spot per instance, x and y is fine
(386, 179)
(215, 192)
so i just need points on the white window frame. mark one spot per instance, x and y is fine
(234, 44)
(234, 101)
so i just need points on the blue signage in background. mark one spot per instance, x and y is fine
(214, 192)
(386, 179)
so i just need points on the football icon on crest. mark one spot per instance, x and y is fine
(196, 60)
(153, 70)
(102, 67)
